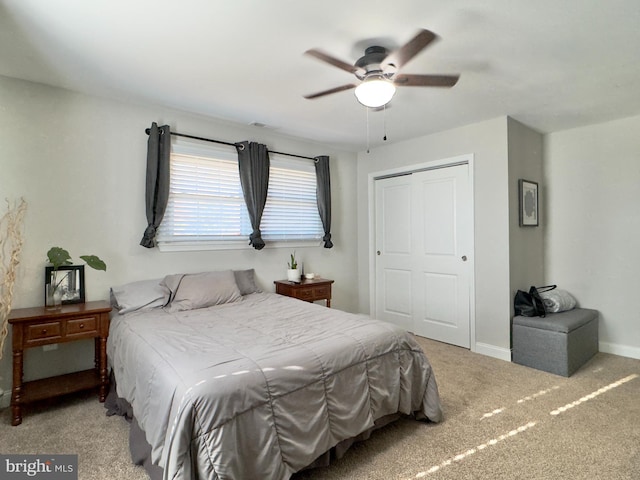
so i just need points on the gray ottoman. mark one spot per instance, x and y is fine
(559, 343)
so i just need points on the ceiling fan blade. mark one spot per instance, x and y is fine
(401, 56)
(332, 60)
(409, 80)
(330, 91)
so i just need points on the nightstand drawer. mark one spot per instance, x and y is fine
(82, 326)
(43, 331)
(304, 294)
(322, 292)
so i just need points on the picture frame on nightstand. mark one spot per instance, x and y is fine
(71, 280)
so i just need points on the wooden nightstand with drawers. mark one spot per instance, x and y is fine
(307, 290)
(37, 326)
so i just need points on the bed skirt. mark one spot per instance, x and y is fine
(141, 450)
(138, 446)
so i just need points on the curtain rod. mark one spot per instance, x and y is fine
(229, 143)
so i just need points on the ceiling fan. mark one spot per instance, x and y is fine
(378, 71)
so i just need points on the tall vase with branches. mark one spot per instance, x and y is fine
(11, 240)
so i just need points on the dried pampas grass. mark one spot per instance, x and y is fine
(11, 240)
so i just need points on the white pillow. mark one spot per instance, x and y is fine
(201, 290)
(138, 295)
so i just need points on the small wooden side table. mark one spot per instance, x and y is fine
(307, 290)
(37, 326)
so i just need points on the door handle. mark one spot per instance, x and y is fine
(464, 258)
(378, 252)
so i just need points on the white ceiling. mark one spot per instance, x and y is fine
(551, 64)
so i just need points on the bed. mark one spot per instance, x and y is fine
(228, 382)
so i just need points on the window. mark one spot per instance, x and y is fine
(206, 208)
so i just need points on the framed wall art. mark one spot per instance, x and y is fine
(529, 215)
(69, 280)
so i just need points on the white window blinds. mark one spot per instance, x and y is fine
(206, 206)
(291, 211)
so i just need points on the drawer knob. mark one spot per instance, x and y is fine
(44, 331)
(82, 325)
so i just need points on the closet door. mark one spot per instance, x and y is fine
(441, 230)
(394, 277)
(424, 238)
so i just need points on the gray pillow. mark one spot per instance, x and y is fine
(246, 281)
(139, 295)
(557, 300)
(171, 284)
(201, 290)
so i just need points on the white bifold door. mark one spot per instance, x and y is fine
(424, 238)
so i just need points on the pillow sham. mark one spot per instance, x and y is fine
(201, 290)
(139, 295)
(246, 280)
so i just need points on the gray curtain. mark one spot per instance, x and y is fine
(157, 189)
(253, 164)
(323, 194)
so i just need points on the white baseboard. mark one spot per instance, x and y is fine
(622, 350)
(605, 347)
(493, 351)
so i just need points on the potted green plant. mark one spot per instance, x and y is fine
(59, 257)
(293, 273)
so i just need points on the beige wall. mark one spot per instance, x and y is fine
(592, 177)
(487, 142)
(526, 244)
(79, 162)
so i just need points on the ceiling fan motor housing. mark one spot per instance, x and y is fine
(371, 62)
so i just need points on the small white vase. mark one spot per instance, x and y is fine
(293, 275)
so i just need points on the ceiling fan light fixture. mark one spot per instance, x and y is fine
(375, 91)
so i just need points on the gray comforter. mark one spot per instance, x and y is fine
(259, 389)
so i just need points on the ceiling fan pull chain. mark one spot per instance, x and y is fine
(384, 122)
(367, 108)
